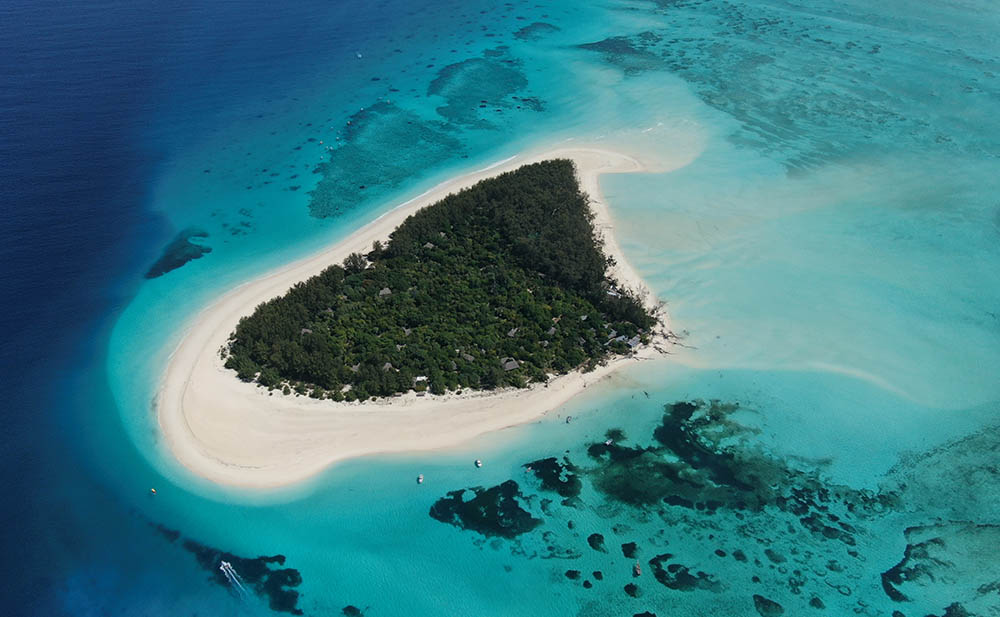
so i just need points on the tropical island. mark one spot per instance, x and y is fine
(494, 295)
(501, 284)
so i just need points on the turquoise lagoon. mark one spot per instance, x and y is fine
(827, 247)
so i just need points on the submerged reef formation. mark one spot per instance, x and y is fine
(261, 574)
(702, 507)
(480, 93)
(501, 284)
(358, 163)
(475, 84)
(632, 54)
(557, 477)
(493, 512)
(691, 467)
(953, 560)
(535, 31)
(736, 57)
(179, 251)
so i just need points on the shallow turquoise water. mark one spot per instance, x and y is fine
(829, 253)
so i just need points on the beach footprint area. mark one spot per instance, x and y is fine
(803, 196)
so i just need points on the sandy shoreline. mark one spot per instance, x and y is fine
(234, 433)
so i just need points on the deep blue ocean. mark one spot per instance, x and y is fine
(826, 240)
(93, 97)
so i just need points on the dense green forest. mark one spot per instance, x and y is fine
(497, 285)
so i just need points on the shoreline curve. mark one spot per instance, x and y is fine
(234, 433)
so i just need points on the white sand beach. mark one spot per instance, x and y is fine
(235, 433)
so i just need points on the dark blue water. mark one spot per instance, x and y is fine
(92, 98)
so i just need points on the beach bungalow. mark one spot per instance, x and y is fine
(385, 291)
(509, 364)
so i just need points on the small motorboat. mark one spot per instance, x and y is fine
(152, 491)
(479, 463)
(609, 442)
(420, 479)
(636, 569)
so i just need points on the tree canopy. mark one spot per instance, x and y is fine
(498, 285)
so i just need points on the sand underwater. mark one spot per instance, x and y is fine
(822, 440)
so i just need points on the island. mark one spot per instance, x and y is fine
(537, 296)
(502, 284)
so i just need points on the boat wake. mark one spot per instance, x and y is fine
(234, 579)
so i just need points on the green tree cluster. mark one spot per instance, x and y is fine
(498, 285)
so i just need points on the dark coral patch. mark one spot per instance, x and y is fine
(360, 161)
(700, 463)
(180, 251)
(596, 542)
(170, 534)
(465, 84)
(493, 512)
(631, 54)
(766, 607)
(275, 584)
(680, 578)
(535, 31)
(630, 550)
(557, 477)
